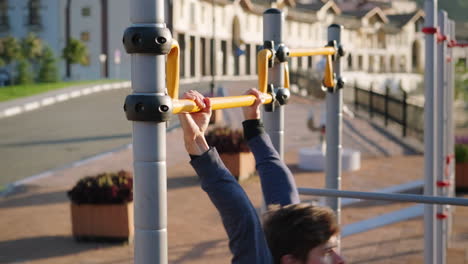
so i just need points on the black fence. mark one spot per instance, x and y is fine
(392, 109)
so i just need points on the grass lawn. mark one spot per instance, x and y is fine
(17, 91)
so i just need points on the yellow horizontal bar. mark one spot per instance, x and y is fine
(312, 52)
(189, 106)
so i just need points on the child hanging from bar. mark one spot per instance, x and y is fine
(292, 233)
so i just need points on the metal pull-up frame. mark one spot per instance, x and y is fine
(150, 43)
(265, 57)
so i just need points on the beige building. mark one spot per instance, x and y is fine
(382, 38)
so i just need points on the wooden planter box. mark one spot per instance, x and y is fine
(241, 165)
(461, 175)
(102, 222)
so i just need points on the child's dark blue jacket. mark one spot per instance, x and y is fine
(246, 238)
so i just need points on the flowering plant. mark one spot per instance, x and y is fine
(105, 188)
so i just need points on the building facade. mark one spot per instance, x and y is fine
(382, 38)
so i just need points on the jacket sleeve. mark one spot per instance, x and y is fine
(278, 184)
(246, 239)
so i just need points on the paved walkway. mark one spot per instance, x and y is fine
(35, 220)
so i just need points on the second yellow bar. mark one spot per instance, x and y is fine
(189, 106)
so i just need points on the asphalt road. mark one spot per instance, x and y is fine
(54, 136)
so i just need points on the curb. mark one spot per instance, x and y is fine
(60, 97)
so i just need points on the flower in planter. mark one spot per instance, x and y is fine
(227, 140)
(233, 150)
(105, 188)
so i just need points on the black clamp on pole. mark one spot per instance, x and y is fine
(282, 53)
(270, 45)
(149, 40)
(340, 82)
(280, 97)
(143, 107)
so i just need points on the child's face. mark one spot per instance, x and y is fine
(325, 254)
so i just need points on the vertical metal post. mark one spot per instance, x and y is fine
(450, 124)
(273, 23)
(334, 102)
(441, 136)
(430, 168)
(149, 146)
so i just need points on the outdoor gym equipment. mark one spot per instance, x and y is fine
(149, 41)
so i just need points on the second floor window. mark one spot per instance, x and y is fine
(4, 13)
(34, 18)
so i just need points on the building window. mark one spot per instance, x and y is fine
(4, 13)
(34, 18)
(350, 62)
(86, 11)
(84, 36)
(360, 63)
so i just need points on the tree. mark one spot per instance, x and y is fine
(48, 71)
(31, 47)
(10, 50)
(24, 72)
(75, 52)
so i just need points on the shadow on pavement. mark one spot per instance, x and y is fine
(43, 247)
(380, 242)
(34, 199)
(182, 182)
(383, 259)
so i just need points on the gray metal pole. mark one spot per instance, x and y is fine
(441, 137)
(450, 124)
(149, 146)
(333, 128)
(396, 197)
(430, 168)
(273, 24)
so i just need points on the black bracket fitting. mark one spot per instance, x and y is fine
(148, 107)
(148, 40)
(271, 106)
(270, 44)
(341, 51)
(283, 95)
(280, 97)
(339, 84)
(282, 53)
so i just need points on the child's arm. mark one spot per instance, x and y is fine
(246, 239)
(278, 184)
